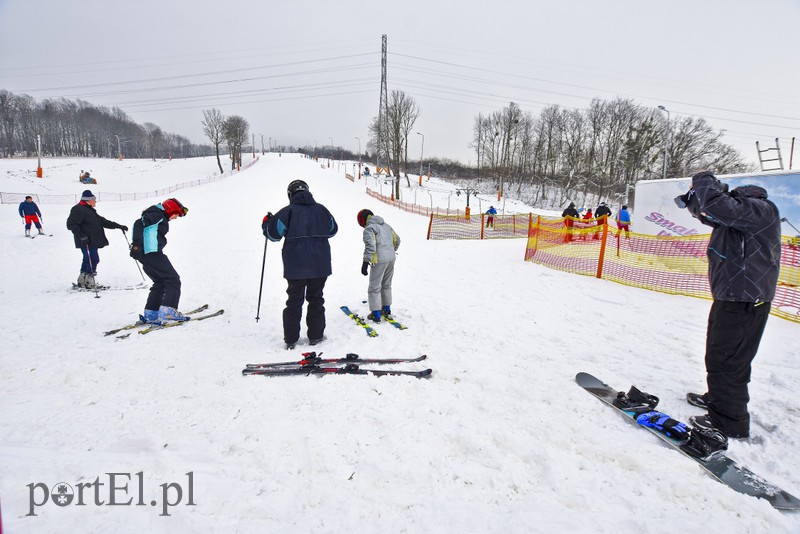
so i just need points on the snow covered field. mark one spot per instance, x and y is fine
(499, 439)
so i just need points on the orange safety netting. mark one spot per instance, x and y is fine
(670, 264)
(478, 226)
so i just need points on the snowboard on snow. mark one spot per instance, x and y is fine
(716, 464)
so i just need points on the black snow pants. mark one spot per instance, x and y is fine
(307, 289)
(734, 333)
(166, 289)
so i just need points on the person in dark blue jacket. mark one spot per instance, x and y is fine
(147, 246)
(744, 255)
(30, 213)
(305, 227)
(87, 227)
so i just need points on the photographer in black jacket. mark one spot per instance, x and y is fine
(744, 255)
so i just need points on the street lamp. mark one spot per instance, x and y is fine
(359, 157)
(421, 153)
(666, 144)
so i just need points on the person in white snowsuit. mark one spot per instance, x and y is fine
(380, 244)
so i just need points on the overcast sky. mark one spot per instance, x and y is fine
(309, 71)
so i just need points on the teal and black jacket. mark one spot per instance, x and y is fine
(150, 230)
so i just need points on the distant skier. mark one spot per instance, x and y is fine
(30, 213)
(570, 215)
(602, 213)
(624, 222)
(380, 244)
(87, 226)
(490, 213)
(147, 246)
(307, 226)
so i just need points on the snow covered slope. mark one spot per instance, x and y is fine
(499, 439)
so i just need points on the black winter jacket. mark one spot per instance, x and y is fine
(84, 220)
(744, 252)
(306, 227)
(571, 211)
(602, 210)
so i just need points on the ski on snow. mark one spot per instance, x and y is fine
(137, 324)
(153, 328)
(312, 358)
(348, 369)
(76, 287)
(716, 464)
(392, 321)
(360, 321)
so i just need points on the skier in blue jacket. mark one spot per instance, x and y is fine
(29, 211)
(305, 227)
(147, 246)
(490, 213)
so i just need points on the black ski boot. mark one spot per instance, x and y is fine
(698, 399)
(635, 401)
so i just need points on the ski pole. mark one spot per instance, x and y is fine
(261, 285)
(94, 282)
(134, 259)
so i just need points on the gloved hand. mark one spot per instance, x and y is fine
(364, 268)
(84, 239)
(123, 227)
(266, 219)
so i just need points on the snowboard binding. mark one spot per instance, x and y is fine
(703, 442)
(635, 401)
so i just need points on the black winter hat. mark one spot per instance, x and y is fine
(295, 186)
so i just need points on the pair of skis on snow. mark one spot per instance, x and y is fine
(313, 364)
(717, 464)
(371, 332)
(146, 328)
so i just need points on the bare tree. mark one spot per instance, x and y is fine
(236, 132)
(214, 129)
(8, 120)
(402, 114)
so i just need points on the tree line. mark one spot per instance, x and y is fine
(600, 150)
(79, 129)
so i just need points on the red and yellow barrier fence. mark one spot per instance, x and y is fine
(669, 264)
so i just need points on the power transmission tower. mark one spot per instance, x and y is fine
(383, 108)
